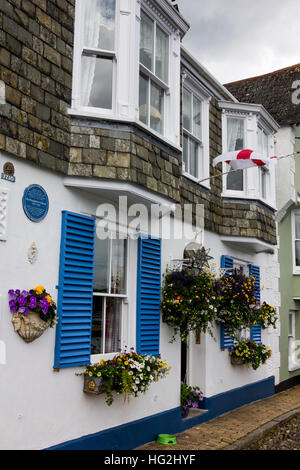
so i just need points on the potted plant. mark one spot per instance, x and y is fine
(250, 353)
(267, 315)
(190, 398)
(128, 374)
(189, 302)
(33, 312)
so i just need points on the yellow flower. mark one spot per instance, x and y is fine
(48, 297)
(126, 363)
(99, 374)
(39, 290)
(90, 374)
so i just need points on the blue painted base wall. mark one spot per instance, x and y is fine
(131, 435)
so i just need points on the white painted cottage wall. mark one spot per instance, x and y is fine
(40, 407)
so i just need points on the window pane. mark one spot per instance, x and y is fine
(97, 326)
(264, 180)
(147, 42)
(156, 108)
(197, 118)
(162, 55)
(96, 82)
(101, 265)
(118, 266)
(187, 110)
(265, 145)
(113, 324)
(297, 253)
(193, 158)
(185, 153)
(260, 141)
(235, 134)
(99, 24)
(297, 226)
(144, 99)
(235, 180)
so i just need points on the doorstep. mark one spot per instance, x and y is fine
(193, 412)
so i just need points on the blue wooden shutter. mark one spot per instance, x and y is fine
(148, 295)
(255, 334)
(75, 291)
(226, 340)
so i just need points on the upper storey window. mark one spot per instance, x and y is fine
(192, 134)
(98, 53)
(95, 55)
(235, 141)
(263, 149)
(154, 72)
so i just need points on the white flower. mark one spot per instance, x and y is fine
(148, 368)
(137, 381)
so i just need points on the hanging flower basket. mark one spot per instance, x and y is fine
(237, 361)
(29, 327)
(93, 385)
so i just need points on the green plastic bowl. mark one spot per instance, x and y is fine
(166, 439)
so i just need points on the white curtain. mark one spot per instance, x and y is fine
(146, 42)
(92, 21)
(235, 134)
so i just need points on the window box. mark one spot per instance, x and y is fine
(93, 385)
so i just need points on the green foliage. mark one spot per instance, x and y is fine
(190, 396)
(128, 374)
(250, 352)
(189, 302)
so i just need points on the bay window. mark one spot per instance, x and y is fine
(97, 46)
(110, 290)
(235, 141)
(192, 134)
(154, 73)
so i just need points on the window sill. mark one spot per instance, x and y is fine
(81, 113)
(296, 272)
(205, 184)
(294, 367)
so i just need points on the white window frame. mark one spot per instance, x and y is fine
(152, 77)
(106, 356)
(264, 170)
(79, 52)
(225, 167)
(293, 350)
(195, 88)
(296, 269)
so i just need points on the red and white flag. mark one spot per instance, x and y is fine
(242, 159)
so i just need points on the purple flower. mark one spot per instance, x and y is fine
(17, 291)
(23, 310)
(13, 306)
(21, 300)
(12, 294)
(25, 293)
(44, 304)
(189, 403)
(195, 405)
(32, 302)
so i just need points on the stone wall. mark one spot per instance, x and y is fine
(36, 39)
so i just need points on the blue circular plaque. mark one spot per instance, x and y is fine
(35, 202)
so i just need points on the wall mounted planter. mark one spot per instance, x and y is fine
(93, 385)
(30, 326)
